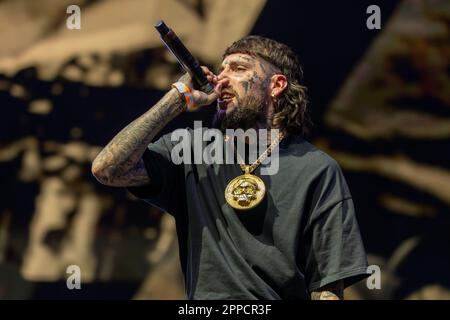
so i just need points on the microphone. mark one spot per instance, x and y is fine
(184, 57)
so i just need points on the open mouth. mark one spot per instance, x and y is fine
(224, 99)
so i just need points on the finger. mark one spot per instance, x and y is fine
(213, 96)
(210, 73)
(213, 80)
(206, 71)
(224, 82)
(217, 92)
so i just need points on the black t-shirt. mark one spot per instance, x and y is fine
(302, 236)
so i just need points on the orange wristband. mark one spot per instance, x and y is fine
(187, 93)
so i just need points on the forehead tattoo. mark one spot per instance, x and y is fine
(258, 75)
(238, 59)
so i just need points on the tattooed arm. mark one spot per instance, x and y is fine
(120, 162)
(333, 291)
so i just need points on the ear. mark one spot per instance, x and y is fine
(278, 84)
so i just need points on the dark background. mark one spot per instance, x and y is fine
(403, 223)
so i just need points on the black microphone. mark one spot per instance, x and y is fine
(184, 57)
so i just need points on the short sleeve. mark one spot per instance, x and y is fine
(332, 247)
(166, 178)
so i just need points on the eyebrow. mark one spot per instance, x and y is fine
(236, 62)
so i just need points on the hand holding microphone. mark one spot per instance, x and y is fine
(199, 97)
(201, 86)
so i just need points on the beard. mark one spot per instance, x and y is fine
(248, 113)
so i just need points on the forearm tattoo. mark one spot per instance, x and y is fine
(334, 291)
(120, 162)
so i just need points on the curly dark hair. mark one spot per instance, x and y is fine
(291, 108)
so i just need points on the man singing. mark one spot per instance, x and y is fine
(244, 235)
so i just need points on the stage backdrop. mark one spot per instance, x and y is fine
(380, 101)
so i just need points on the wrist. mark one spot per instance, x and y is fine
(185, 94)
(171, 103)
(180, 100)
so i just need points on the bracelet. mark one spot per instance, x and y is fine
(187, 93)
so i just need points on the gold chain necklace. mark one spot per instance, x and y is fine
(248, 190)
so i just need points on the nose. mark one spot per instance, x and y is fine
(223, 74)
